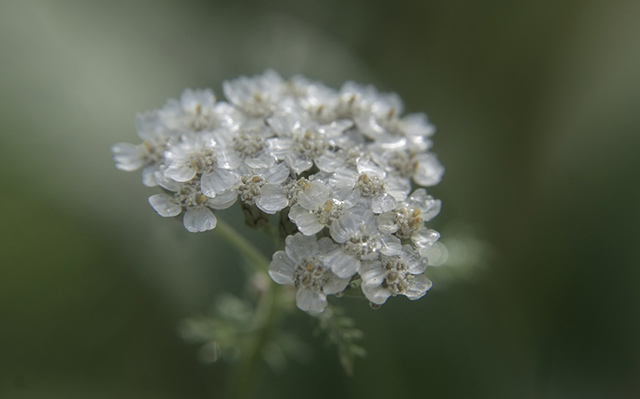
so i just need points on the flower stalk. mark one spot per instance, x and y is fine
(256, 259)
(244, 376)
(266, 318)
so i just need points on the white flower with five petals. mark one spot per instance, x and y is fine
(359, 239)
(301, 264)
(316, 207)
(197, 110)
(188, 197)
(264, 187)
(150, 153)
(257, 95)
(401, 274)
(407, 221)
(301, 145)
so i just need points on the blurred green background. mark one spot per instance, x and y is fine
(537, 105)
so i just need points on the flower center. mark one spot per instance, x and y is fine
(310, 145)
(397, 277)
(403, 163)
(409, 221)
(204, 161)
(154, 150)
(190, 195)
(370, 186)
(202, 119)
(249, 188)
(248, 143)
(310, 274)
(361, 246)
(330, 211)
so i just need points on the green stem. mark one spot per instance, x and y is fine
(255, 257)
(266, 316)
(247, 370)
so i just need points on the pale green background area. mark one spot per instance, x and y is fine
(537, 106)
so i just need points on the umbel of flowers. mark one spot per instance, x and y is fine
(346, 168)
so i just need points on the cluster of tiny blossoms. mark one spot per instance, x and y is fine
(341, 163)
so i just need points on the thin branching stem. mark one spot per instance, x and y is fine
(266, 317)
(247, 370)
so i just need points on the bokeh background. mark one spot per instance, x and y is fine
(537, 105)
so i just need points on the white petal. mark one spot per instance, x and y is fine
(424, 237)
(341, 263)
(147, 124)
(306, 221)
(371, 169)
(314, 196)
(429, 171)
(335, 128)
(371, 273)
(418, 287)
(256, 95)
(217, 182)
(376, 294)
(180, 172)
(227, 159)
(382, 203)
(429, 206)
(279, 147)
(300, 247)
(276, 174)
(432, 210)
(166, 183)
(344, 177)
(414, 262)
(416, 126)
(223, 200)
(436, 255)
(391, 245)
(350, 196)
(191, 100)
(311, 301)
(329, 162)
(340, 231)
(335, 284)
(398, 188)
(228, 117)
(297, 163)
(369, 126)
(391, 142)
(199, 219)
(128, 157)
(281, 268)
(169, 114)
(262, 160)
(180, 152)
(349, 225)
(149, 176)
(388, 222)
(165, 205)
(272, 199)
(366, 220)
(325, 245)
(419, 197)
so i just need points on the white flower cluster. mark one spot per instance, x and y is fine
(341, 163)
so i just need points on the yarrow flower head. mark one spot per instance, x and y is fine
(346, 168)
